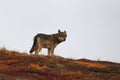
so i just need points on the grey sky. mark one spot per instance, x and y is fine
(93, 26)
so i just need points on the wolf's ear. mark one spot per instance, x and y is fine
(59, 31)
(65, 32)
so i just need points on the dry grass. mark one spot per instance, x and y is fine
(92, 65)
(21, 66)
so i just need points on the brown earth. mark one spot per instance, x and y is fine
(21, 66)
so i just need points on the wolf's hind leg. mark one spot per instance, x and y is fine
(52, 51)
(38, 50)
(49, 51)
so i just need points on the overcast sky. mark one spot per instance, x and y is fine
(93, 26)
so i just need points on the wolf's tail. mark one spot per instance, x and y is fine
(34, 44)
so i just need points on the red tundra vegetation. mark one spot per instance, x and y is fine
(22, 66)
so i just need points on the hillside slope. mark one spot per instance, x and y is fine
(21, 66)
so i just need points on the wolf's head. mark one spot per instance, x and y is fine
(62, 35)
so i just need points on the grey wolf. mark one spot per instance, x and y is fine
(48, 41)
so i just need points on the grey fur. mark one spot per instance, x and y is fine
(47, 41)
